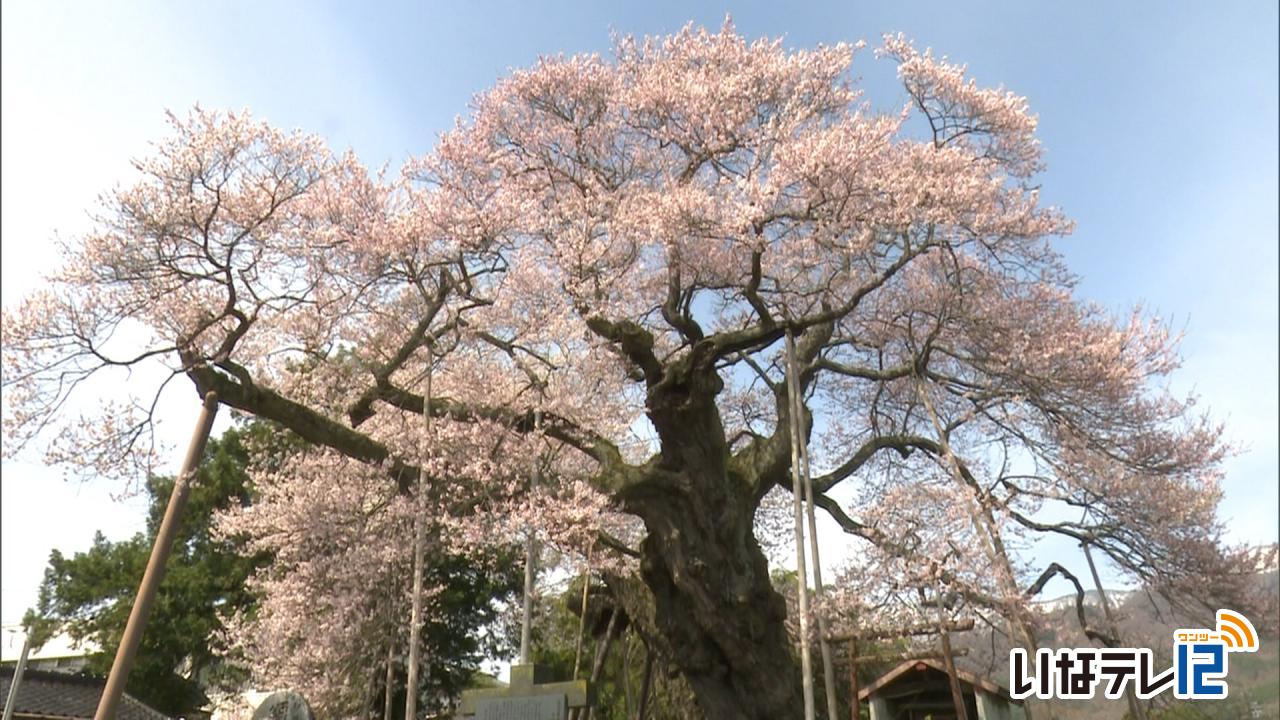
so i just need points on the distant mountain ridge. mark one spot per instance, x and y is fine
(1142, 619)
(1091, 600)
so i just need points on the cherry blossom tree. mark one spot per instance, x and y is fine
(601, 262)
(334, 597)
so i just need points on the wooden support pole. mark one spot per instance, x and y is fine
(582, 615)
(980, 512)
(602, 653)
(949, 661)
(646, 684)
(415, 618)
(151, 577)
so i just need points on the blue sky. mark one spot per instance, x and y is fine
(1159, 122)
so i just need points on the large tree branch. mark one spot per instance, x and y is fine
(1056, 569)
(362, 408)
(302, 420)
(768, 332)
(752, 290)
(865, 373)
(635, 342)
(615, 472)
(889, 544)
(903, 444)
(676, 309)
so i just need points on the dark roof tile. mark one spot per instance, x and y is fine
(61, 695)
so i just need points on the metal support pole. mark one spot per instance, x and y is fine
(828, 665)
(526, 615)
(17, 679)
(855, 705)
(155, 566)
(797, 492)
(391, 679)
(419, 555)
(530, 564)
(582, 616)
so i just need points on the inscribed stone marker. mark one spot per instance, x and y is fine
(541, 707)
(525, 695)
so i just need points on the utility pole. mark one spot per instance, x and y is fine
(155, 566)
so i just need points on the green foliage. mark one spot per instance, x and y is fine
(1233, 707)
(89, 595)
(459, 637)
(181, 656)
(621, 678)
(463, 628)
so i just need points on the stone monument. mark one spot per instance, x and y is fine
(529, 697)
(283, 705)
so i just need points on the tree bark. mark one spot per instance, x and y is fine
(716, 611)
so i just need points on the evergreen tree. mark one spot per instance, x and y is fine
(89, 594)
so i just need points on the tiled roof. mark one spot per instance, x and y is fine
(59, 695)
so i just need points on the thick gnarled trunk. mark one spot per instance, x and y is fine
(715, 608)
(722, 621)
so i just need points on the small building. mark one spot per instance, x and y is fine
(59, 653)
(921, 690)
(46, 695)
